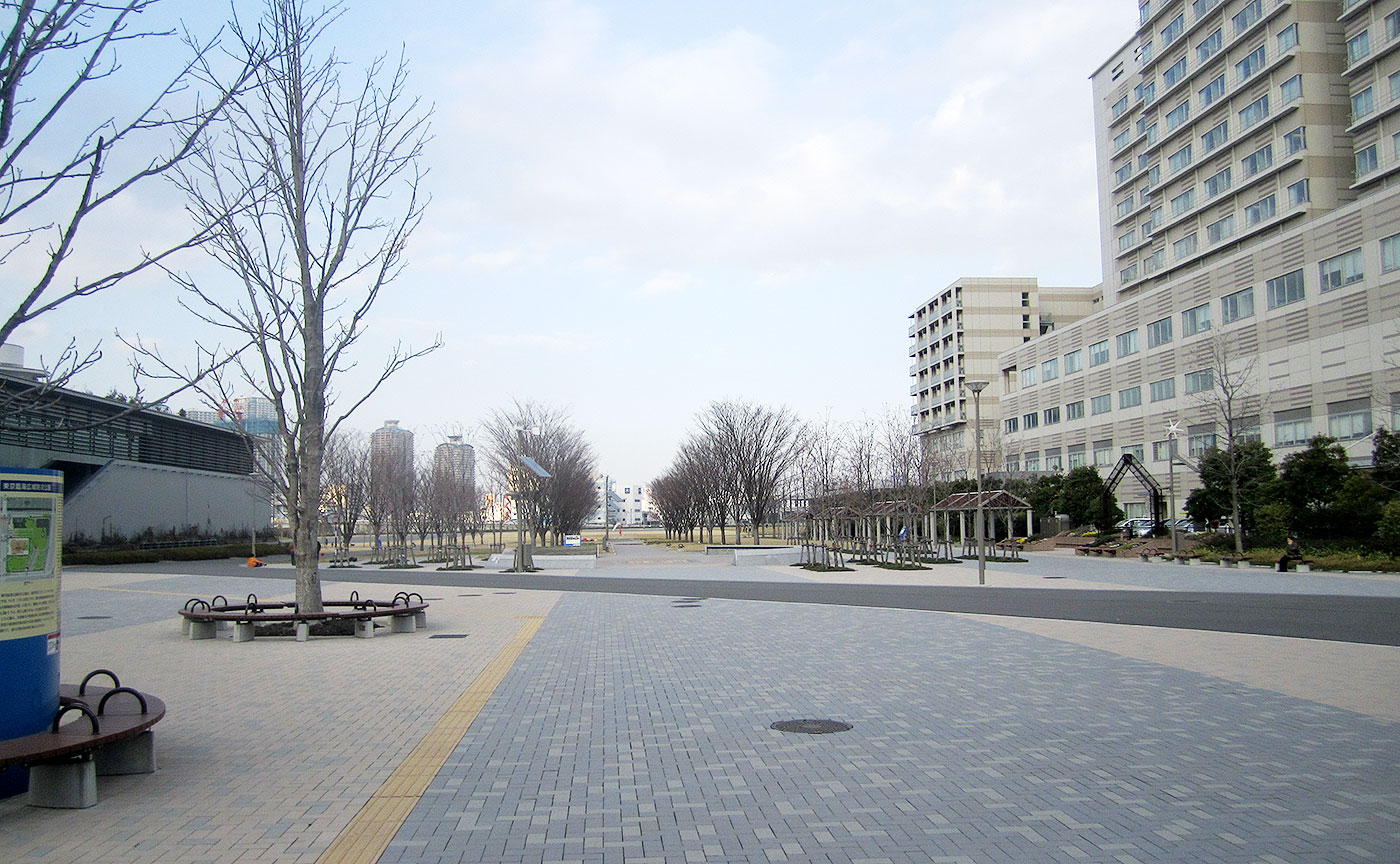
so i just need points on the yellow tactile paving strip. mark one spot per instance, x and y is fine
(369, 833)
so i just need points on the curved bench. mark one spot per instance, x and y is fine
(112, 737)
(201, 618)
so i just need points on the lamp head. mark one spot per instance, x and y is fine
(976, 386)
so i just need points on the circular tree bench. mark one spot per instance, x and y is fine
(113, 736)
(201, 619)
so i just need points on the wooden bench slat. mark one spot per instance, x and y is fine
(122, 719)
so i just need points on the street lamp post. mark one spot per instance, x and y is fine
(977, 387)
(1173, 430)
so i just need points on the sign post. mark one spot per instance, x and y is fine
(31, 535)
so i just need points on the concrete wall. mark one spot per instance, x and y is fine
(128, 497)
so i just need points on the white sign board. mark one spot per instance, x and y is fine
(573, 540)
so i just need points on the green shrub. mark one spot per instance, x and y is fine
(173, 553)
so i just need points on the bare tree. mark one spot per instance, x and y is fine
(62, 166)
(758, 446)
(562, 503)
(346, 484)
(1230, 400)
(296, 194)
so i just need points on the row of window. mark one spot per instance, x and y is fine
(1346, 421)
(1199, 381)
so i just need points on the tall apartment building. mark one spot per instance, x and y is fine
(1247, 154)
(955, 337)
(457, 458)
(391, 448)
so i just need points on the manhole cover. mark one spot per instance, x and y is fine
(93, 617)
(811, 727)
(448, 636)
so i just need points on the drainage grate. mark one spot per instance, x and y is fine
(468, 595)
(502, 592)
(685, 605)
(811, 727)
(93, 617)
(448, 636)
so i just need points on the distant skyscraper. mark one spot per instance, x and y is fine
(457, 458)
(391, 448)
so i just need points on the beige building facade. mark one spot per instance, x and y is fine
(955, 337)
(1252, 241)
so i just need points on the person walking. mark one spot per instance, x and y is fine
(1291, 552)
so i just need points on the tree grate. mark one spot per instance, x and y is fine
(811, 727)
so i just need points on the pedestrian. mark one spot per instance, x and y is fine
(1291, 552)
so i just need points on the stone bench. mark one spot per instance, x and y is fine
(202, 619)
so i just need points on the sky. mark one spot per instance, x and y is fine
(639, 208)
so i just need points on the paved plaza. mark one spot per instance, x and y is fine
(598, 727)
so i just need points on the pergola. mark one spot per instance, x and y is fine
(994, 503)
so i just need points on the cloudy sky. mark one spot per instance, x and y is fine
(642, 207)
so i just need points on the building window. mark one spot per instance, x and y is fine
(1260, 211)
(1347, 421)
(1287, 37)
(1362, 103)
(1248, 16)
(1251, 64)
(1013, 463)
(1392, 26)
(1180, 159)
(1183, 202)
(1212, 91)
(1127, 343)
(1174, 73)
(1128, 240)
(1031, 420)
(1366, 161)
(1217, 183)
(1101, 404)
(1130, 398)
(1161, 451)
(1121, 140)
(1052, 460)
(1028, 376)
(1133, 450)
(1201, 440)
(1173, 30)
(1298, 193)
(1098, 353)
(1220, 229)
(1207, 47)
(1076, 456)
(1195, 320)
(1128, 274)
(1235, 306)
(1285, 289)
(1074, 361)
(1247, 429)
(1032, 461)
(1292, 427)
(1164, 389)
(1075, 410)
(1052, 415)
(1217, 135)
(1184, 247)
(1013, 424)
(1258, 160)
(1123, 173)
(1178, 115)
(1254, 112)
(1103, 453)
(1119, 107)
(1341, 270)
(1358, 46)
(1390, 253)
(1152, 263)
(1199, 381)
(1295, 140)
(1199, 8)
(1050, 370)
(1125, 206)
(1159, 332)
(1291, 89)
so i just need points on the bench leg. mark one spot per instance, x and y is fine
(303, 631)
(63, 785)
(420, 620)
(243, 631)
(364, 628)
(132, 756)
(1304, 568)
(203, 630)
(401, 624)
(184, 626)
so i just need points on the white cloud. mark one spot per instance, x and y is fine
(666, 283)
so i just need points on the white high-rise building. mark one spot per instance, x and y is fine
(456, 457)
(391, 449)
